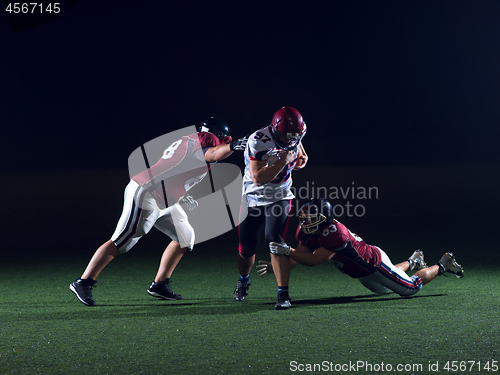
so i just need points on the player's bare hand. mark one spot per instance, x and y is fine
(301, 163)
(301, 159)
(264, 267)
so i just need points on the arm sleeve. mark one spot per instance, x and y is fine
(208, 140)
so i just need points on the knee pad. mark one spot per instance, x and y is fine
(183, 229)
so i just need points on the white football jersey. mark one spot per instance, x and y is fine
(261, 146)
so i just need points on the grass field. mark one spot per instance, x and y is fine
(45, 330)
(334, 324)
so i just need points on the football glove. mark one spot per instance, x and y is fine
(239, 144)
(279, 248)
(264, 267)
(190, 202)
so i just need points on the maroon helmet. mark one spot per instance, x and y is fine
(288, 122)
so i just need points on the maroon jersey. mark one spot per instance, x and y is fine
(352, 255)
(181, 166)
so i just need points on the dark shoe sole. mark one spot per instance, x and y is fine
(154, 294)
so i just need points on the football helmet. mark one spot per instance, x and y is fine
(217, 127)
(288, 122)
(315, 214)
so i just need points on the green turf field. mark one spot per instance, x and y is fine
(334, 321)
(335, 325)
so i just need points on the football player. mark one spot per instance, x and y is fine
(271, 154)
(322, 238)
(183, 164)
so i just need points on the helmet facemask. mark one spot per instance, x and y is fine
(310, 222)
(288, 128)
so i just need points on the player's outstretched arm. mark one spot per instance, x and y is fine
(320, 255)
(264, 266)
(301, 254)
(221, 152)
(218, 153)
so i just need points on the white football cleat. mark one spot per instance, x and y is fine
(449, 264)
(417, 260)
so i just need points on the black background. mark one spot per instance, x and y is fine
(377, 81)
(380, 84)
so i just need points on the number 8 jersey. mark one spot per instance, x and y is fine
(261, 146)
(180, 168)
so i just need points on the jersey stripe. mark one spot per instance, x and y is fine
(394, 276)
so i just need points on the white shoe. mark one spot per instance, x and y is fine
(449, 264)
(417, 261)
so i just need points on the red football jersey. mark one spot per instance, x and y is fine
(352, 255)
(181, 166)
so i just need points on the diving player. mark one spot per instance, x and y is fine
(322, 238)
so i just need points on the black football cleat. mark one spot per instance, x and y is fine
(283, 302)
(163, 291)
(83, 290)
(241, 291)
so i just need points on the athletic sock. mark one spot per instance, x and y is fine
(442, 270)
(245, 279)
(282, 290)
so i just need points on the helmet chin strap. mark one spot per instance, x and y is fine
(290, 147)
(293, 144)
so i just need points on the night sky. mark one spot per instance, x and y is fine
(378, 82)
